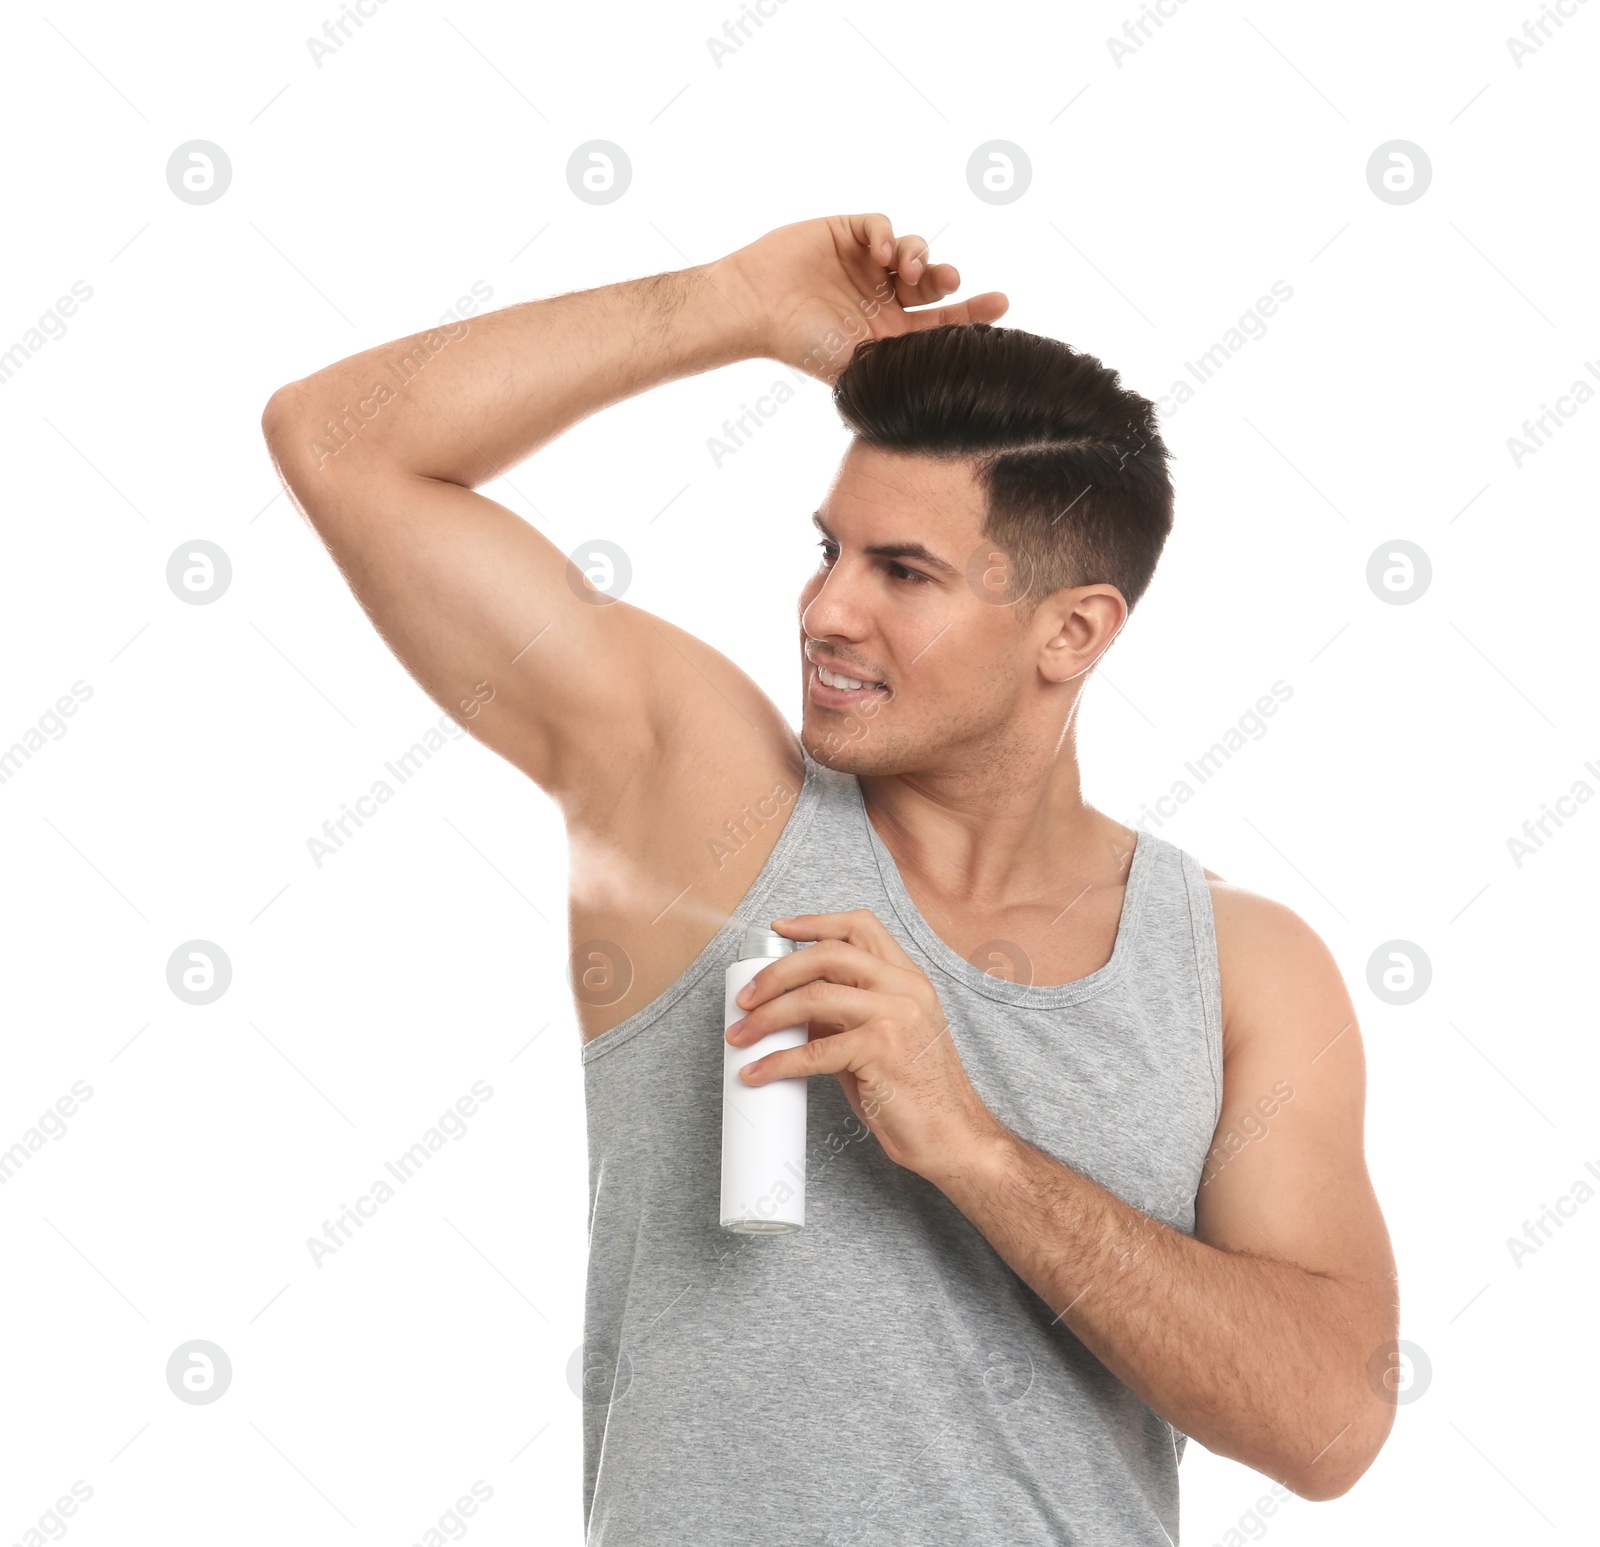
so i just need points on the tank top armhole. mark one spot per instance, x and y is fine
(716, 949)
(1204, 928)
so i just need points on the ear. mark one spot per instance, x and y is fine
(1076, 627)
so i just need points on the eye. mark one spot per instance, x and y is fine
(916, 577)
(907, 576)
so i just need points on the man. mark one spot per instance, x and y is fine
(1089, 1179)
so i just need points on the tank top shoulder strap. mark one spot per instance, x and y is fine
(1176, 941)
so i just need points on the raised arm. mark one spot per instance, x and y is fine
(383, 451)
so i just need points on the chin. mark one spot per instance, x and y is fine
(851, 745)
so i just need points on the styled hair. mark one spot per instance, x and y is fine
(1073, 468)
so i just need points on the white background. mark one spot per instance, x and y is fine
(368, 994)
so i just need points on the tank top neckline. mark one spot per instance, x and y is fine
(974, 978)
(796, 825)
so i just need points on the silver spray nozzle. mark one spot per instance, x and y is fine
(760, 941)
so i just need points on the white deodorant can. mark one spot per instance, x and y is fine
(763, 1126)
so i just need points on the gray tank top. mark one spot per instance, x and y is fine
(882, 1376)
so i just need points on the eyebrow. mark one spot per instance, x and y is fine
(918, 551)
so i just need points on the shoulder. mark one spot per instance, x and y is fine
(1277, 972)
(1247, 917)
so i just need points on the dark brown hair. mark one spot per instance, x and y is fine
(1073, 468)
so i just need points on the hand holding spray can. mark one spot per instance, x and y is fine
(763, 1126)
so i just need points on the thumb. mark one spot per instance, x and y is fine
(981, 308)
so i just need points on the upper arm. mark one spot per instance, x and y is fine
(498, 627)
(1287, 1176)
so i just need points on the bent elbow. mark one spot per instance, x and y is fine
(1320, 1486)
(281, 417)
(1345, 1462)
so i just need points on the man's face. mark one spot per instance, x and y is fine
(955, 661)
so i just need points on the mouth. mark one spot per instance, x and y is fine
(835, 690)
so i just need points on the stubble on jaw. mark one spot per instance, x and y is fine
(874, 743)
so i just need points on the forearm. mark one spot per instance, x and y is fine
(466, 402)
(1256, 1358)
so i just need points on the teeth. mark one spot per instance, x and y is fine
(834, 680)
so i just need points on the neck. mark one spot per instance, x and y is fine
(1012, 828)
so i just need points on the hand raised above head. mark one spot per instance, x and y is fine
(815, 289)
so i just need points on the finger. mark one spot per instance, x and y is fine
(876, 234)
(829, 1055)
(934, 283)
(838, 961)
(829, 1004)
(981, 308)
(859, 926)
(910, 259)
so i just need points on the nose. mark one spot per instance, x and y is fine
(831, 608)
